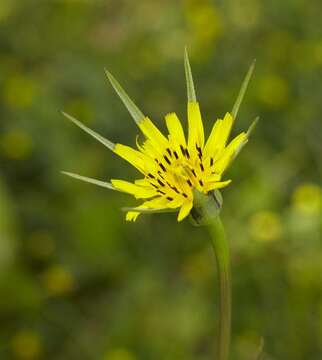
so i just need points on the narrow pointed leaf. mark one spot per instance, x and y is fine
(95, 135)
(90, 180)
(148, 211)
(252, 126)
(242, 90)
(135, 112)
(249, 131)
(191, 94)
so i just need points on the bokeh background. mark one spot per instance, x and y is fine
(76, 280)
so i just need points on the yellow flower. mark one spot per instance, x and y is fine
(173, 167)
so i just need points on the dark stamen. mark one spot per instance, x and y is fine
(187, 153)
(160, 174)
(151, 176)
(189, 182)
(166, 159)
(194, 173)
(182, 150)
(211, 161)
(169, 198)
(160, 182)
(161, 192)
(201, 182)
(169, 151)
(162, 167)
(185, 195)
(153, 185)
(201, 167)
(176, 155)
(175, 189)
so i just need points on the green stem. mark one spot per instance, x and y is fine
(221, 249)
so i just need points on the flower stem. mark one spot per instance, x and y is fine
(221, 250)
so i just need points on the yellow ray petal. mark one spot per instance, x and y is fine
(218, 136)
(196, 132)
(152, 133)
(184, 210)
(229, 152)
(210, 147)
(136, 158)
(138, 191)
(132, 215)
(175, 129)
(216, 185)
(225, 131)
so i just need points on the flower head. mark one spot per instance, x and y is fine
(174, 167)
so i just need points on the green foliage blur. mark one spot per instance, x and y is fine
(76, 280)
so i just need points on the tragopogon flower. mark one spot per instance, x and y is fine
(173, 167)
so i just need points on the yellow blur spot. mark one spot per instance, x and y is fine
(16, 144)
(245, 14)
(58, 280)
(26, 345)
(6, 8)
(204, 26)
(265, 226)
(273, 91)
(19, 91)
(307, 199)
(119, 354)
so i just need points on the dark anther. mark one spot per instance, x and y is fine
(201, 167)
(211, 161)
(175, 189)
(162, 167)
(198, 149)
(189, 182)
(153, 185)
(160, 182)
(156, 160)
(166, 159)
(176, 155)
(161, 192)
(187, 153)
(169, 198)
(201, 182)
(194, 173)
(169, 151)
(151, 176)
(182, 150)
(185, 195)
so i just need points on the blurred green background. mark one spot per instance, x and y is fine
(76, 280)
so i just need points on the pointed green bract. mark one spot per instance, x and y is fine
(248, 133)
(242, 90)
(191, 94)
(95, 135)
(135, 112)
(90, 180)
(252, 126)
